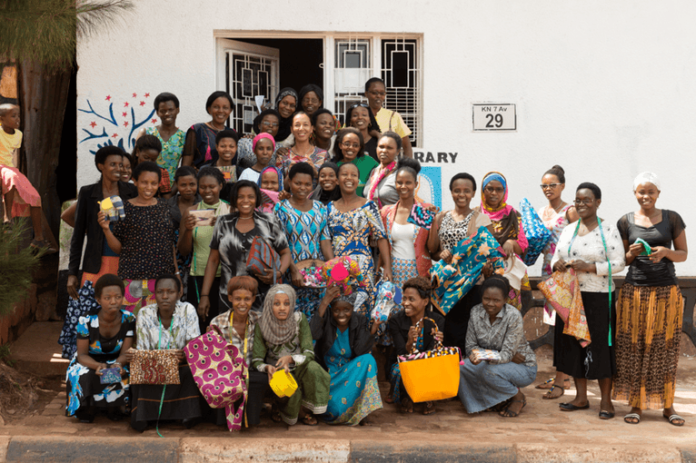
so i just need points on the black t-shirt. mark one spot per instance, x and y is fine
(642, 272)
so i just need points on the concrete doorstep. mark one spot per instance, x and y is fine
(235, 449)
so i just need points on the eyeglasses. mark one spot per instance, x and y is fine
(586, 202)
(492, 189)
(268, 124)
(549, 185)
(358, 105)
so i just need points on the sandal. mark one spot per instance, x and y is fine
(545, 384)
(309, 420)
(605, 415)
(429, 408)
(549, 394)
(507, 413)
(43, 244)
(632, 418)
(674, 420)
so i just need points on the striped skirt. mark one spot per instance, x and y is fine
(649, 324)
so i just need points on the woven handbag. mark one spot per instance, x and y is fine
(218, 368)
(154, 367)
(262, 258)
(537, 234)
(431, 375)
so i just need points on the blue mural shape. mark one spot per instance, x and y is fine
(430, 185)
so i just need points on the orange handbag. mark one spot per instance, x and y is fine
(431, 375)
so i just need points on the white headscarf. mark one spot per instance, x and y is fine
(646, 177)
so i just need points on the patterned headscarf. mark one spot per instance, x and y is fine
(503, 208)
(646, 177)
(274, 331)
(277, 171)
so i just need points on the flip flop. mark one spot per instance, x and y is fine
(605, 415)
(306, 420)
(568, 407)
(547, 394)
(507, 413)
(545, 383)
(673, 419)
(632, 416)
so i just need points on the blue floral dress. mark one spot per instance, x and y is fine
(84, 388)
(354, 392)
(170, 155)
(304, 231)
(350, 232)
(85, 305)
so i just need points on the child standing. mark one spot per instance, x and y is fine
(263, 147)
(21, 198)
(226, 145)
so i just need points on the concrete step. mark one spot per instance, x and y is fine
(37, 350)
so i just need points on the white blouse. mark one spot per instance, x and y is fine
(589, 248)
(402, 241)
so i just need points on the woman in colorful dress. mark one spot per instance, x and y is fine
(144, 240)
(343, 342)
(555, 216)
(352, 221)
(233, 235)
(302, 150)
(402, 326)
(649, 312)
(506, 226)
(381, 185)
(350, 147)
(196, 239)
(305, 226)
(448, 229)
(283, 340)
(168, 324)
(102, 341)
(171, 137)
(241, 319)
(592, 248)
(199, 147)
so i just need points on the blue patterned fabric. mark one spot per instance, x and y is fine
(304, 232)
(85, 305)
(469, 256)
(538, 236)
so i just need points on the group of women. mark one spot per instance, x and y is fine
(311, 194)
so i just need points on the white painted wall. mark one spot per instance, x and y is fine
(605, 89)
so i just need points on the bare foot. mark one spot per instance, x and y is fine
(516, 405)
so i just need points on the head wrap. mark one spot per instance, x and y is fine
(256, 125)
(284, 124)
(274, 331)
(503, 208)
(348, 298)
(277, 171)
(646, 177)
(259, 137)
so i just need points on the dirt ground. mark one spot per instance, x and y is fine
(540, 422)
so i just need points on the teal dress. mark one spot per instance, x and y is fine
(353, 392)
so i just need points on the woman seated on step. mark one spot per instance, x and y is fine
(168, 324)
(496, 332)
(344, 341)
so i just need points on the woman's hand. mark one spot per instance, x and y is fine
(130, 353)
(387, 273)
(658, 253)
(203, 306)
(102, 366)
(332, 292)
(180, 355)
(560, 266)
(437, 334)
(635, 249)
(283, 195)
(518, 358)
(433, 208)
(473, 359)
(103, 220)
(284, 363)
(581, 266)
(266, 277)
(121, 370)
(412, 336)
(509, 248)
(270, 370)
(281, 153)
(296, 277)
(190, 222)
(446, 255)
(72, 287)
(487, 269)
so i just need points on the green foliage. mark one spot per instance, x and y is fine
(17, 265)
(5, 355)
(46, 31)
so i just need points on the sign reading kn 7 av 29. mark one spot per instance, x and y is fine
(488, 117)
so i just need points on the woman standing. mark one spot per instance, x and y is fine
(283, 340)
(186, 194)
(145, 239)
(302, 150)
(555, 216)
(506, 226)
(324, 125)
(352, 221)
(268, 121)
(376, 93)
(232, 238)
(199, 147)
(380, 187)
(196, 238)
(305, 225)
(361, 118)
(349, 147)
(311, 98)
(99, 258)
(327, 186)
(650, 305)
(594, 250)
(343, 347)
(286, 103)
(448, 229)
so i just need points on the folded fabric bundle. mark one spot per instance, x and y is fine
(485, 354)
(453, 281)
(155, 367)
(538, 236)
(562, 292)
(515, 270)
(113, 208)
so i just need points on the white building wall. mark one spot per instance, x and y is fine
(605, 89)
